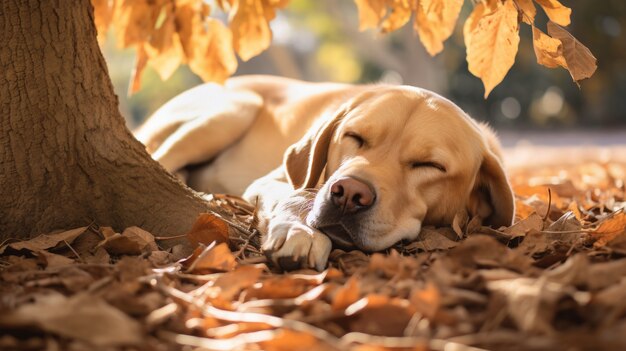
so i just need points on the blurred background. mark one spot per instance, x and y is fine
(318, 40)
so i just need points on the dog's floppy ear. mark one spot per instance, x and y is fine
(492, 197)
(305, 160)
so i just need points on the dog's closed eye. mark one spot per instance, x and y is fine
(426, 164)
(356, 137)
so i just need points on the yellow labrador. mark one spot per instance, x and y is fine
(363, 165)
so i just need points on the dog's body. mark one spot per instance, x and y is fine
(366, 165)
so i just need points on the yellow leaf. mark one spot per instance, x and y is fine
(528, 9)
(371, 12)
(249, 23)
(471, 22)
(135, 21)
(493, 45)
(164, 48)
(435, 21)
(580, 61)
(103, 11)
(556, 11)
(401, 11)
(549, 51)
(135, 76)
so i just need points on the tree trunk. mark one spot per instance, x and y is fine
(66, 156)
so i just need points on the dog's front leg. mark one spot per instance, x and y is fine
(287, 240)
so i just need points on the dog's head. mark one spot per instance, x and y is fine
(394, 159)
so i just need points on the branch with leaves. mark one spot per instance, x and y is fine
(167, 33)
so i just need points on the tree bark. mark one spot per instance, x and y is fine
(66, 156)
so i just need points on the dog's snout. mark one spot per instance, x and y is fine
(351, 195)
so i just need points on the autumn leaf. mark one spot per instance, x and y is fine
(400, 14)
(371, 13)
(580, 61)
(208, 228)
(249, 22)
(549, 51)
(493, 45)
(135, 23)
(435, 21)
(609, 229)
(103, 11)
(132, 241)
(46, 241)
(346, 295)
(529, 11)
(556, 11)
(210, 258)
(164, 48)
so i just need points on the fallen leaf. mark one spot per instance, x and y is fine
(493, 45)
(208, 228)
(581, 63)
(521, 228)
(426, 300)
(46, 241)
(51, 260)
(133, 241)
(346, 295)
(82, 316)
(212, 258)
(431, 239)
(609, 229)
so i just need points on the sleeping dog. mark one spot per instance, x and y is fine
(360, 165)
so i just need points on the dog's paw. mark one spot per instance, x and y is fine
(293, 245)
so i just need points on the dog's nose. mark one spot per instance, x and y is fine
(351, 195)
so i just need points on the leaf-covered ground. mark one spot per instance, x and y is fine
(554, 280)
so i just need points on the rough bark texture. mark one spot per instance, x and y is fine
(66, 156)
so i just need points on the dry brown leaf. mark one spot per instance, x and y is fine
(371, 13)
(531, 303)
(493, 45)
(435, 21)
(133, 241)
(287, 340)
(211, 258)
(426, 300)
(379, 315)
(431, 239)
(556, 11)
(346, 295)
(208, 228)
(549, 51)
(231, 283)
(83, 317)
(52, 260)
(279, 287)
(46, 241)
(581, 63)
(523, 227)
(609, 229)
